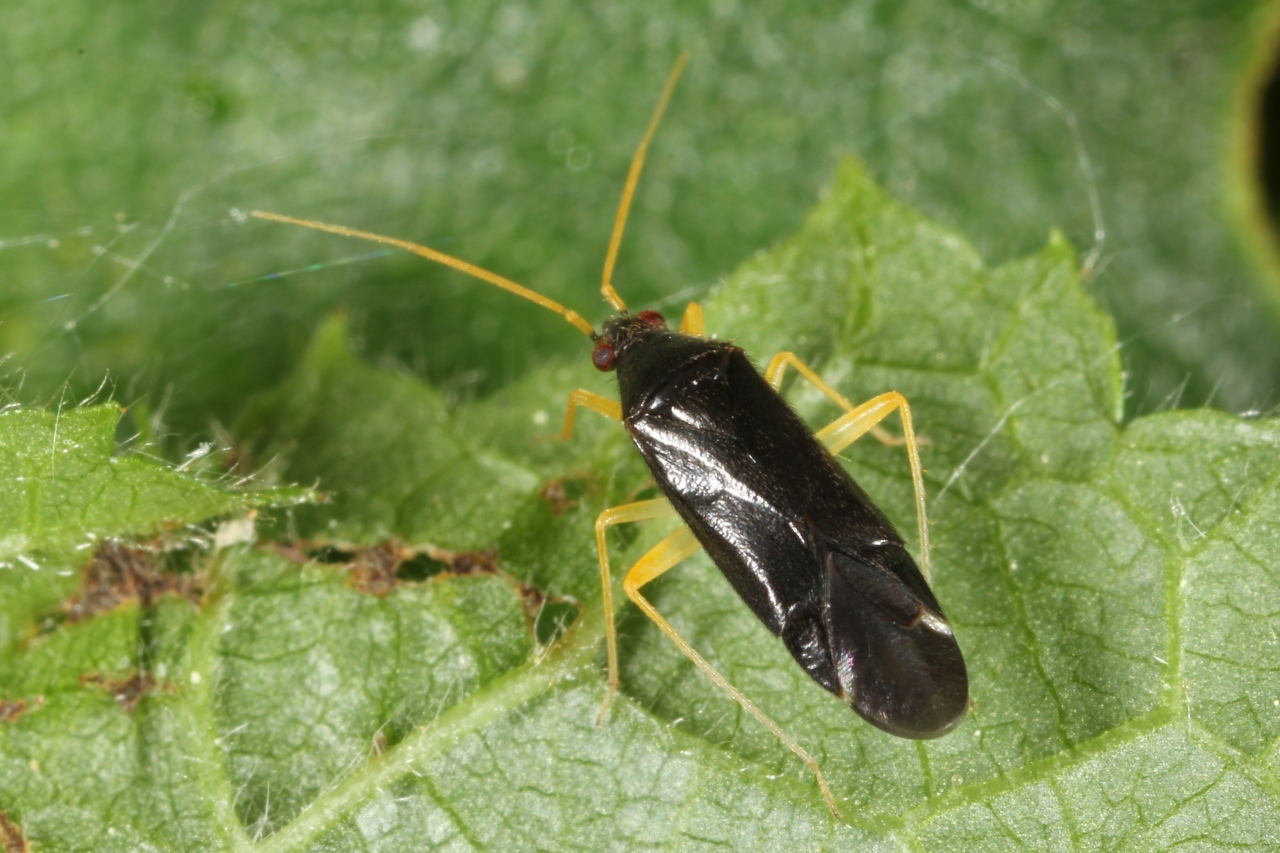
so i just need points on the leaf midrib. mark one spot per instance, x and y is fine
(576, 651)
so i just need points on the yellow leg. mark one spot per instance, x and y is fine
(678, 546)
(847, 428)
(859, 420)
(625, 514)
(778, 366)
(691, 323)
(587, 400)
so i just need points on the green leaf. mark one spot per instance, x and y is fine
(342, 689)
(63, 489)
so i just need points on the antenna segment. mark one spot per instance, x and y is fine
(628, 191)
(619, 224)
(440, 258)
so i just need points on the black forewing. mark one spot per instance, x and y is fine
(802, 544)
(895, 656)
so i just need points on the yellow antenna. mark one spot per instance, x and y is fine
(637, 163)
(440, 258)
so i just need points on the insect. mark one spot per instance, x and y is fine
(800, 541)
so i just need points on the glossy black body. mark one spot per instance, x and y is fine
(803, 545)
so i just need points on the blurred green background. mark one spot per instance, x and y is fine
(132, 135)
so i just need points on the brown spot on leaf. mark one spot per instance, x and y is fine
(294, 550)
(556, 494)
(373, 570)
(12, 709)
(532, 596)
(465, 562)
(533, 600)
(127, 692)
(556, 497)
(11, 838)
(119, 573)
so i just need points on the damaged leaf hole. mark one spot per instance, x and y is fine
(119, 573)
(378, 569)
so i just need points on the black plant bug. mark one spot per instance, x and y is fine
(798, 539)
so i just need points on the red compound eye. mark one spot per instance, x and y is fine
(651, 318)
(603, 356)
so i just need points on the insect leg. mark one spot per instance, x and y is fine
(859, 420)
(778, 366)
(849, 427)
(625, 514)
(587, 400)
(692, 323)
(678, 546)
